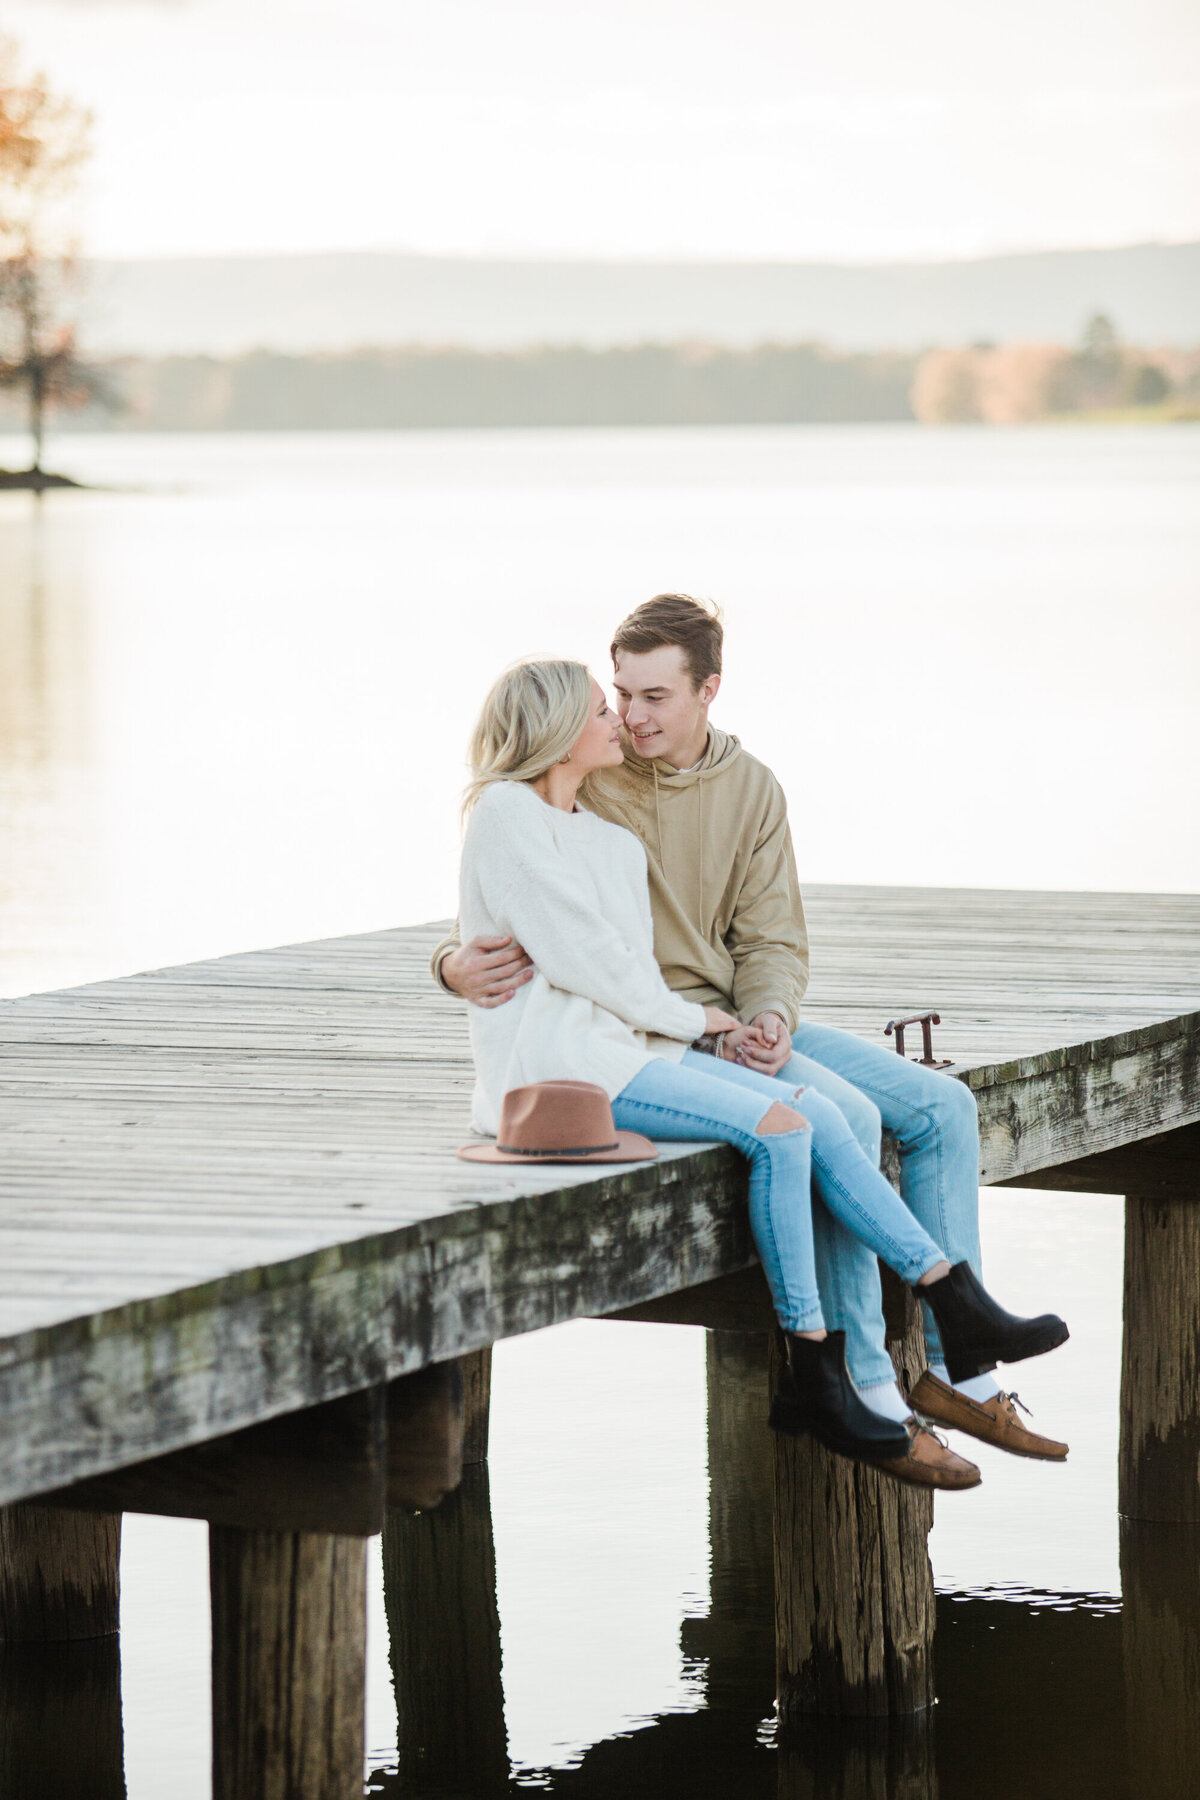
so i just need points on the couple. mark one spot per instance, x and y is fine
(679, 998)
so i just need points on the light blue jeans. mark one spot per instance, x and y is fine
(936, 1124)
(700, 1098)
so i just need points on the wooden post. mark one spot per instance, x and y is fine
(1160, 1628)
(854, 1604)
(439, 1579)
(60, 1659)
(288, 1664)
(59, 1574)
(1160, 1462)
(289, 1503)
(425, 1436)
(1160, 1371)
(736, 1640)
(853, 1586)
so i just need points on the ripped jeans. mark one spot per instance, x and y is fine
(702, 1099)
(935, 1123)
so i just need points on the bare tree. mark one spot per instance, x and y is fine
(43, 144)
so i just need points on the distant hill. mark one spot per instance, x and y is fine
(297, 304)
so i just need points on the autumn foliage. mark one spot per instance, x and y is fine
(1012, 384)
(43, 143)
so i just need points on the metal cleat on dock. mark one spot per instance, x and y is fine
(926, 1021)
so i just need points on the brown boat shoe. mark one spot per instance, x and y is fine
(992, 1421)
(930, 1462)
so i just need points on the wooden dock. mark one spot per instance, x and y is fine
(240, 1263)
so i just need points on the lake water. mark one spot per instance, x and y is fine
(235, 685)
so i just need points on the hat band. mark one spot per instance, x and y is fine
(575, 1150)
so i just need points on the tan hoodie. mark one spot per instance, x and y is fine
(728, 919)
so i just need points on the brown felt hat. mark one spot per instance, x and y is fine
(559, 1122)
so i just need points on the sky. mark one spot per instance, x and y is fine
(793, 129)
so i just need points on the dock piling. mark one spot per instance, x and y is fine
(60, 1578)
(60, 1658)
(288, 1664)
(854, 1603)
(1160, 1368)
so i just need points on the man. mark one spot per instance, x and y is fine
(729, 931)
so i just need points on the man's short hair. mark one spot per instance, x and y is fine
(693, 625)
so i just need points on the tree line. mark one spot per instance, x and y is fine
(650, 384)
(420, 387)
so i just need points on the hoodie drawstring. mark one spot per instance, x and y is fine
(700, 920)
(661, 854)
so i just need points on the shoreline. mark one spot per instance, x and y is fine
(35, 480)
(1115, 418)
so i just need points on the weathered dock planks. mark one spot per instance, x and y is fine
(228, 1193)
(240, 1174)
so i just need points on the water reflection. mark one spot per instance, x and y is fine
(1031, 1703)
(1046, 1696)
(1160, 1577)
(733, 1649)
(439, 1575)
(60, 1722)
(1030, 1698)
(1049, 1696)
(859, 1759)
(48, 825)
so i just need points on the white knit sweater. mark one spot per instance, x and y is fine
(572, 888)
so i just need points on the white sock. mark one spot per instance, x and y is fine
(979, 1387)
(886, 1399)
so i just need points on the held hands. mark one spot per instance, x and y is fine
(765, 1046)
(724, 1030)
(487, 971)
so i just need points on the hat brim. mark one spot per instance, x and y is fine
(631, 1146)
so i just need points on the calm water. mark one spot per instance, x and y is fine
(234, 690)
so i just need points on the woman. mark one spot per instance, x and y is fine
(573, 889)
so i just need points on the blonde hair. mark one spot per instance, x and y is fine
(531, 718)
